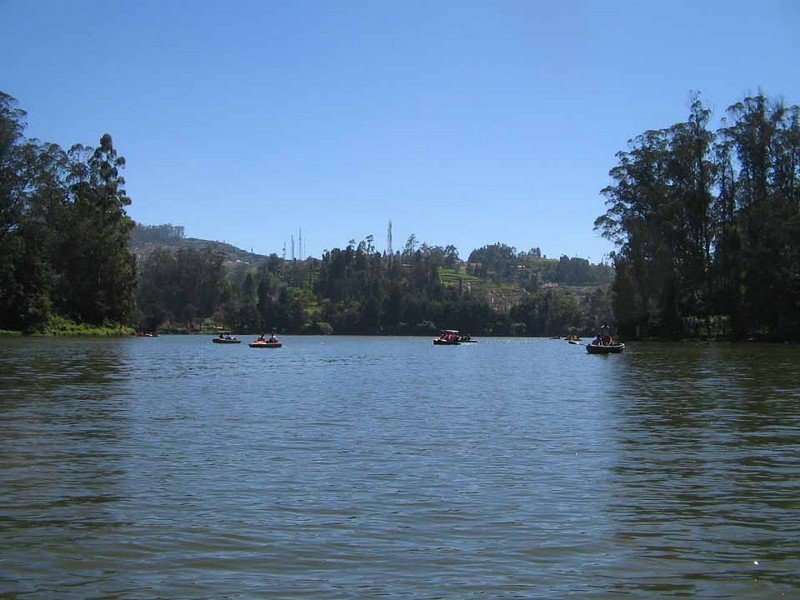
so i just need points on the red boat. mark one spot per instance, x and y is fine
(261, 342)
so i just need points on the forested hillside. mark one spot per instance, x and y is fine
(357, 289)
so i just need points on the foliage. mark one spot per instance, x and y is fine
(501, 263)
(63, 231)
(143, 234)
(351, 290)
(60, 326)
(181, 287)
(706, 225)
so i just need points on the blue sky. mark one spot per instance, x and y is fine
(462, 122)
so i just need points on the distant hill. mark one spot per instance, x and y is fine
(146, 239)
(497, 271)
(351, 290)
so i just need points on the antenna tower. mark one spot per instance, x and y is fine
(389, 240)
(292, 246)
(301, 244)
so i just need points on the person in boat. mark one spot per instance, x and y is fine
(597, 341)
(261, 338)
(605, 335)
(272, 337)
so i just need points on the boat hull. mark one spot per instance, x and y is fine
(266, 344)
(612, 349)
(445, 343)
(219, 341)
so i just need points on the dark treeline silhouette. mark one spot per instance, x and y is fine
(63, 231)
(707, 225)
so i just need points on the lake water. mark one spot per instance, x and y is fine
(352, 466)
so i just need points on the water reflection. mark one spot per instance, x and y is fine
(62, 418)
(363, 466)
(707, 468)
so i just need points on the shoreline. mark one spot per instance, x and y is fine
(85, 331)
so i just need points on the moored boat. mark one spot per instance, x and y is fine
(226, 339)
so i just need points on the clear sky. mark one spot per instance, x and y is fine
(463, 122)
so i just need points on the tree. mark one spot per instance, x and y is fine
(497, 261)
(763, 149)
(707, 224)
(641, 220)
(692, 176)
(100, 269)
(12, 125)
(32, 198)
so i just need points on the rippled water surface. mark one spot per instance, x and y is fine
(333, 467)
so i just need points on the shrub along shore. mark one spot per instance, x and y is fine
(61, 327)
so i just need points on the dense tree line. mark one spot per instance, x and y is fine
(501, 263)
(354, 289)
(143, 234)
(707, 225)
(63, 230)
